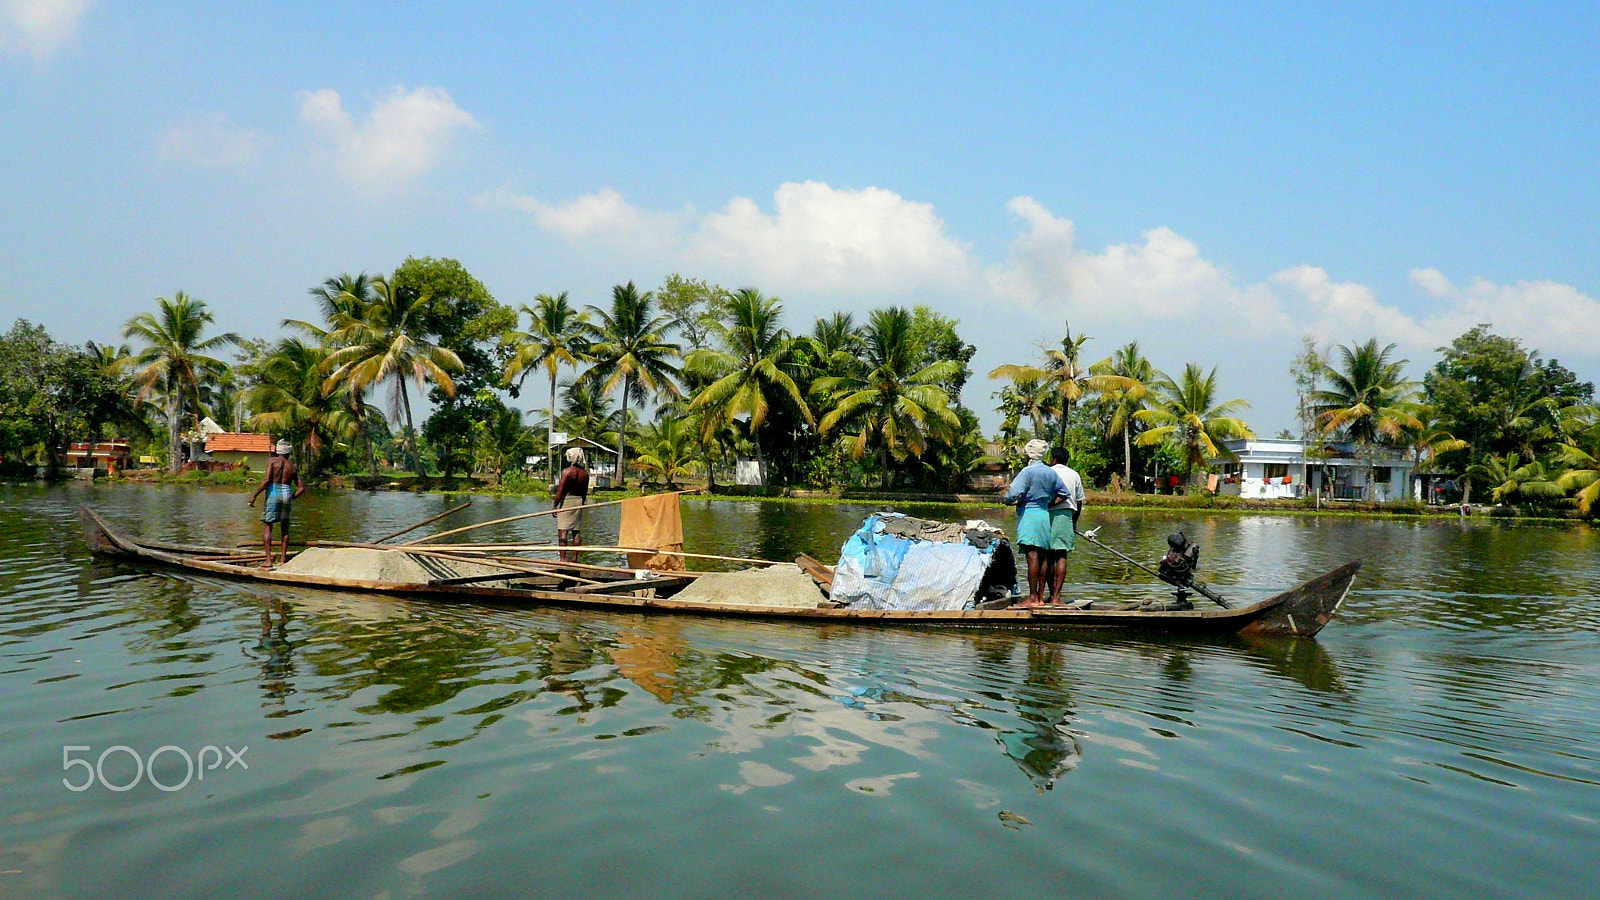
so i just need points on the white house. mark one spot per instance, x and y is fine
(1282, 468)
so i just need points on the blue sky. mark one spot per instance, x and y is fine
(1211, 182)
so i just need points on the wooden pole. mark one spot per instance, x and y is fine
(525, 567)
(394, 534)
(551, 548)
(476, 553)
(546, 512)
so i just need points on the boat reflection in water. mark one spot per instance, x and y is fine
(779, 697)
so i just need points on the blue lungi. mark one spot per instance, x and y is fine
(279, 497)
(1033, 527)
(1062, 535)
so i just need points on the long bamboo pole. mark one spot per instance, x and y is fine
(551, 548)
(545, 512)
(473, 552)
(431, 519)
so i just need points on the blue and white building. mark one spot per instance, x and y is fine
(1276, 469)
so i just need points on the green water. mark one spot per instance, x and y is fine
(1440, 739)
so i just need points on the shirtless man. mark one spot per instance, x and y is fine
(282, 484)
(572, 491)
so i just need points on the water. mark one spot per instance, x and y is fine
(1441, 738)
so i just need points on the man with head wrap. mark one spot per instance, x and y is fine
(1063, 520)
(571, 492)
(1033, 490)
(282, 484)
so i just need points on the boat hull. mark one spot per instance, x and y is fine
(1301, 611)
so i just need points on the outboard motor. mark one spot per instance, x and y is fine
(1177, 568)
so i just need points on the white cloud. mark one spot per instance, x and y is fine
(211, 141)
(1165, 277)
(817, 238)
(603, 215)
(38, 28)
(830, 239)
(404, 137)
(1555, 318)
(1344, 311)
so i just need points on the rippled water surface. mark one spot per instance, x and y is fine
(1440, 739)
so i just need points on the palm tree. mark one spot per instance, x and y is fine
(886, 400)
(1070, 379)
(1509, 478)
(120, 407)
(1429, 439)
(630, 349)
(1579, 455)
(500, 440)
(1367, 400)
(1127, 379)
(339, 298)
(586, 411)
(291, 402)
(174, 361)
(383, 340)
(669, 444)
(1185, 413)
(1064, 375)
(1581, 475)
(1029, 395)
(554, 338)
(752, 370)
(835, 341)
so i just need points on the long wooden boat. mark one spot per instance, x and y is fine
(1301, 611)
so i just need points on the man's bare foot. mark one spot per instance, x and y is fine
(1029, 603)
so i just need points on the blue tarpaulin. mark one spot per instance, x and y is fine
(882, 571)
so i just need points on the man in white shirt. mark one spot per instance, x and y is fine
(1063, 521)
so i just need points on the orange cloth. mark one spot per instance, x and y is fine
(652, 522)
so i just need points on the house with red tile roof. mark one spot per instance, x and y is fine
(239, 447)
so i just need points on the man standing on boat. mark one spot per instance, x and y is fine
(282, 484)
(1063, 520)
(571, 492)
(1033, 490)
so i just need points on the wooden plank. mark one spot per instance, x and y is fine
(821, 574)
(614, 587)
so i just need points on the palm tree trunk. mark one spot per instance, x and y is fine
(411, 431)
(550, 436)
(885, 477)
(1127, 456)
(622, 437)
(174, 436)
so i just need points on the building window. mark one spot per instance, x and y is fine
(1380, 474)
(1276, 470)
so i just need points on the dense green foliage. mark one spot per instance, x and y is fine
(693, 377)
